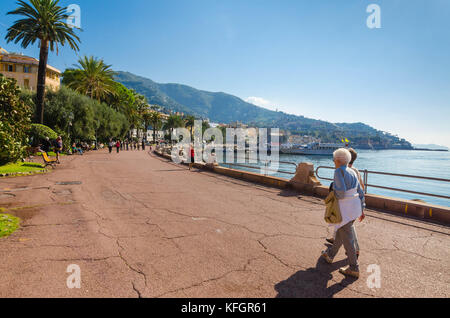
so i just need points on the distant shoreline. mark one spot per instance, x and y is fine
(424, 149)
(414, 149)
(408, 149)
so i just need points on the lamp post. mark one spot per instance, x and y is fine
(71, 117)
(96, 132)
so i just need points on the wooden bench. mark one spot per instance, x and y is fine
(48, 161)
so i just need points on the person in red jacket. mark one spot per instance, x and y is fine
(191, 163)
(118, 146)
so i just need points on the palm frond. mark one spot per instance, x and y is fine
(91, 77)
(43, 20)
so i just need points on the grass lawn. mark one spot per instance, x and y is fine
(8, 224)
(21, 167)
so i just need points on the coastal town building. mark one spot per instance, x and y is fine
(237, 124)
(159, 135)
(148, 134)
(164, 117)
(24, 70)
(302, 139)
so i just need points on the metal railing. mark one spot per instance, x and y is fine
(266, 166)
(367, 185)
(240, 165)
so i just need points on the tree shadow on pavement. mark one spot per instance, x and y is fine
(313, 282)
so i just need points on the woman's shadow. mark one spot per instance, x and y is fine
(313, 282)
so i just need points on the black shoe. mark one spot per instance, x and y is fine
(331, 241)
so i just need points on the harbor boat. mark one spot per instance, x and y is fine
(314, 148)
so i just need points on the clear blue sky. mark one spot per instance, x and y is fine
(312, 58)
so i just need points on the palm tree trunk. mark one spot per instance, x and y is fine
(43, 58)
(144, 131)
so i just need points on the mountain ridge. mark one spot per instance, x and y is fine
(225, 108)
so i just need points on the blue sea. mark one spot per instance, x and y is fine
(420, 163)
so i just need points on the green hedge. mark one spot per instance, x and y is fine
(39, 132)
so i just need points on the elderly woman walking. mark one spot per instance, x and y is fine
(351, 203)
(358, 174)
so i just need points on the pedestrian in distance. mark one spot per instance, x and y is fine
(351, 166)
(76, 148)
(80, 148)
(58, 148)
(192, 155)
(118, 146)
(143, 145)
(110, 145)
(351, 202)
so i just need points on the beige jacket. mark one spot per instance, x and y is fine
(332, 212)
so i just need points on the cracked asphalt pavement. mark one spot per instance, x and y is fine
(140, 226)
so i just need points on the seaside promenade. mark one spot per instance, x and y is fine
(141, 226)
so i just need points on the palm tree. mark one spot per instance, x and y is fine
(44, 20)
(174, 121)
(205, 126)
(146, 117)
(156, 121)
(190, 122)
(156, 108)
(142, 106)
(92, 77)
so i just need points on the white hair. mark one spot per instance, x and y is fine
(343, 156)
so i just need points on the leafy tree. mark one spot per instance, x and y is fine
(70, 114)
(14, 122)
(43, 20)
(122, 100)
(77, 117)
(110, 123)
